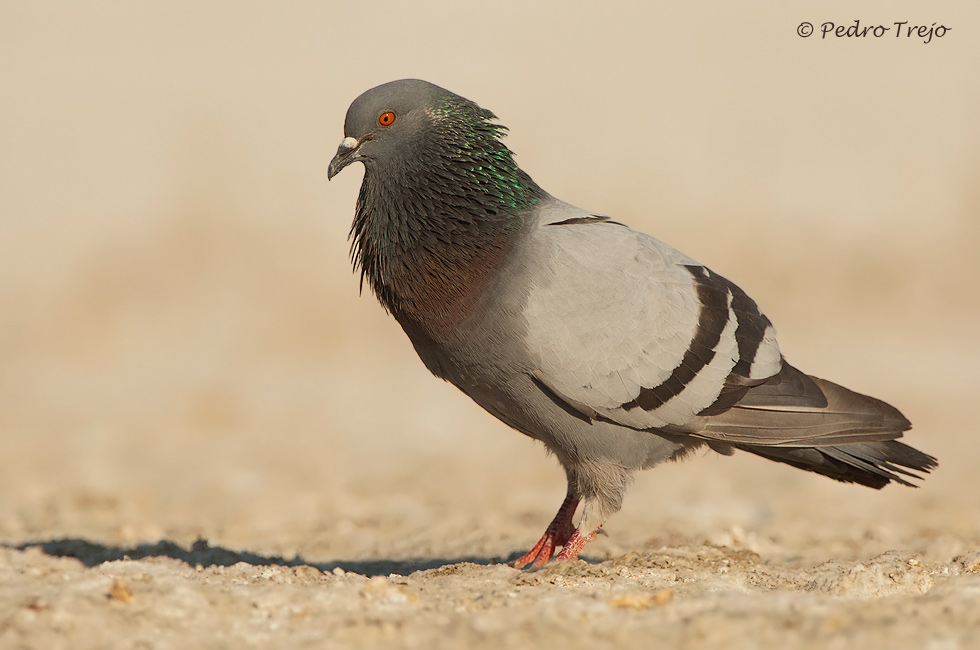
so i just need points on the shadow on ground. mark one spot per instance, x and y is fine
(92, 554)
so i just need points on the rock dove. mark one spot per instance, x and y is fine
(610, 347)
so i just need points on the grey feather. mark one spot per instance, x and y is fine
(870, 464)
(794, 409)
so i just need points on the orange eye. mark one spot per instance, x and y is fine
(386, 118)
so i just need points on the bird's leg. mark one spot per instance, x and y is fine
(559, 533)
(598, 506)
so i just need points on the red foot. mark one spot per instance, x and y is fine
(574, 546)
(559, 532)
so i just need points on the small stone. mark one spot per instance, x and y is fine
(120, 592)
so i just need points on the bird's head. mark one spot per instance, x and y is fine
(413, 125)
(388, 123)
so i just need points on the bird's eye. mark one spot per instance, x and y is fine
(386, 119)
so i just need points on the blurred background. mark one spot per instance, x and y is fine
(183, 350)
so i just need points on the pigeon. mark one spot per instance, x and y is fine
(613, 349)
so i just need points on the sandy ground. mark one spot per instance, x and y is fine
(214, 538)
(207, 439)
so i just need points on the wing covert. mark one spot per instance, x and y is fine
(623, 327)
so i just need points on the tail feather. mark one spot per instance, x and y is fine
(873, 464)
(821, 427)
(793, 408)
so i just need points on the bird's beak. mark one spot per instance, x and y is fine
(345, 156)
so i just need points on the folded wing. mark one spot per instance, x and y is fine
(625, 328)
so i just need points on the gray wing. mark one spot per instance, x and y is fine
(625, 328)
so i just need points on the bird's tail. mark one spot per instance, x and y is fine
(874, 464)
(819, 426)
